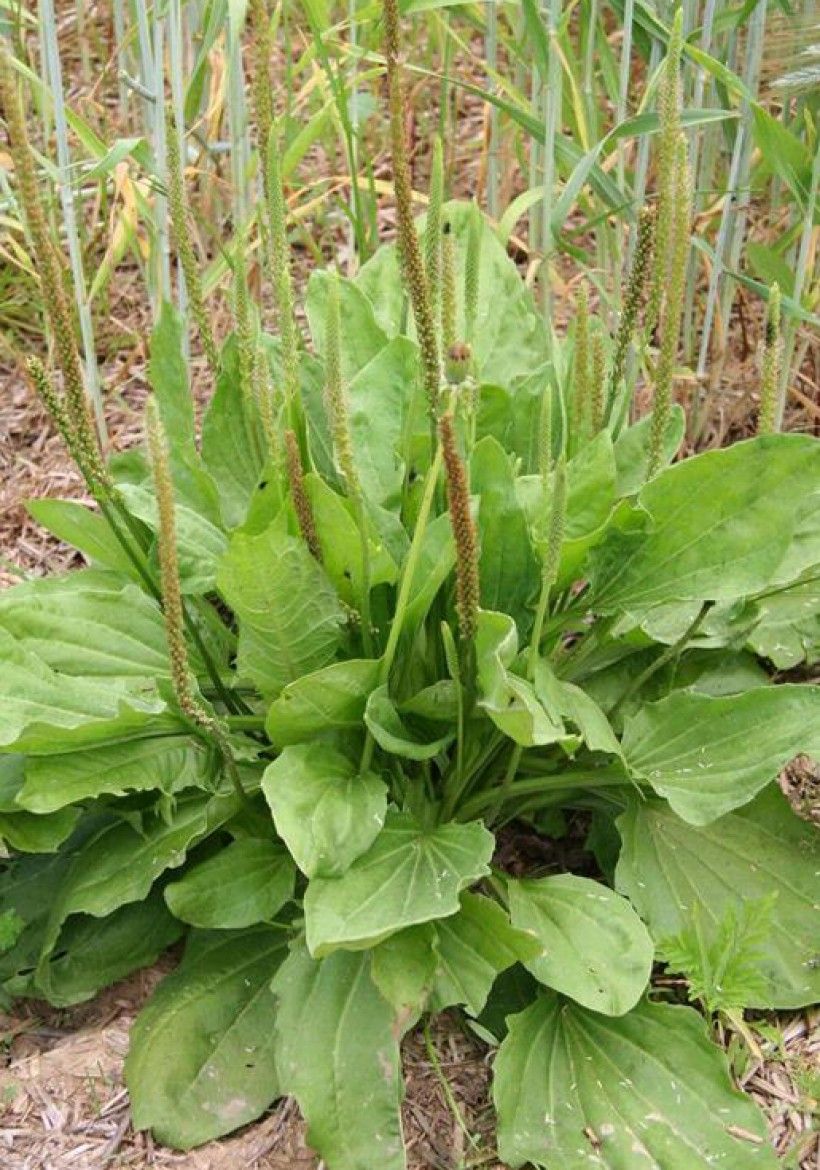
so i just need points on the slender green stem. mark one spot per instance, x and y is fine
(536, 785)
(407, 578)
(367, 624)
(245, 722)
(670, 653)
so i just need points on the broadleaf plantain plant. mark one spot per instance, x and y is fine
(321, 658)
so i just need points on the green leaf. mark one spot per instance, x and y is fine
(788, 630)
(233, 448)
(201, 1061)
(88, 623)
(341, 544)
(378, 399)
(717, 526)
(595, 948)
(29, 833)
(168, 377)
(404, 969)
(709, 755)
(473, 947)
(168, 763)
(631, 450)
(509, 339)
(38, 702)
(576, 1089)
(509, 572)
(83, 528)
(667, 867)
(408, 876)
(393, 733)
(338, 1055)
(247, 882)
(92, 953)
(565, 700)
(332, 699)
(361, 339)
(290, 617)
(327, 812)
(119, 864)
(436, 561)
(200, 543)
(590, 487)
(509, 700)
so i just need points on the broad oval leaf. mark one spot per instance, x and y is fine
(667, 867)
(709, 755)
(38, 701)
(233, 444)
(327, 812)
(83, 528)
(290, 617)
(717, 526)
(392, 733)
(247, 882)
(509, 572)
(408, 876)
(509, 700)
(201, 1061)
(576, 1089)
(331, 699)
(200, 543)
(362, 339)
(473, 947)
(167, 763)
(337, 1053)
(595, 947)
(92, 953)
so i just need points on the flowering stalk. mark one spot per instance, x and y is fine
(448, 288)
(81, 445)
(172, 604)
(635, 289)
(680, 227)
(598, 368)
(581, 389)
(409, 250)
(48, 265)
(301, 502)
(772, 355)
(472, 273)
(181, 228)
(464, 533)
(280, 276)
(432, 230)
(545, 434)
(261, 42)
(550, 560)
(669, 107)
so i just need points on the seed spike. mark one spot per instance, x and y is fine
(464, 533)
(771, 359)
(335, 399)
(183, 238)
(50, 270)
(581, 389)
(301, 501)
(278, 253)
(432, 230)
(472, 273)
(410, 258)
(635, 291)
(669, 110)
(680, 226)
